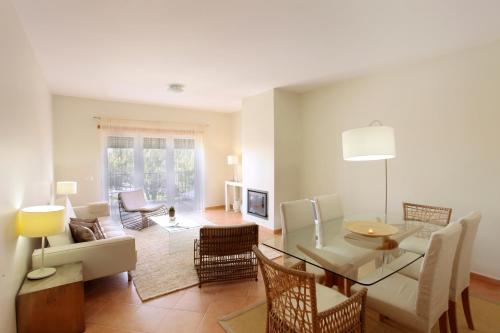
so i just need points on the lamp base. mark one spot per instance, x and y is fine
(41, 273)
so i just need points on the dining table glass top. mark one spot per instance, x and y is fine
(361, 259)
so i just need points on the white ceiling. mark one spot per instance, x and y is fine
(224, 50)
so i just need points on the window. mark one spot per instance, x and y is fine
(184, 168)
(165, 167)
(120, 157)
(155, 169)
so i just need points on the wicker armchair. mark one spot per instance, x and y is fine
(135, 211)
(225, 253)
(296, 303)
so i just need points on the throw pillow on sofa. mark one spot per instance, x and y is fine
(92, 224)
(81, 233)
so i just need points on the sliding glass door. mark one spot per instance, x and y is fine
(167, 168)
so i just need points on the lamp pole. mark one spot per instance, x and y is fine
(385, 162)
(377, 122)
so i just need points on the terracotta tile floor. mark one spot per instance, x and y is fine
(112, 304)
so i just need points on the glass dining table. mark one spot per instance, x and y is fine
(347, 256)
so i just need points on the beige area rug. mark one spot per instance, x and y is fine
(486, 318)
(165, 260)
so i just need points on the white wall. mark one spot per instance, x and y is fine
(257, 144)
(446, 114)
(77, 143)
(236, 124)
(287, 146)
(271, 147)
(26, 147)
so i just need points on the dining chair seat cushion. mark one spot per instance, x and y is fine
(339, 259)
(415, 244)
(395, 297)
(412, 271)
(317, 271)
(326, 298)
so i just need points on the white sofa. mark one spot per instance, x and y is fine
(100, 258)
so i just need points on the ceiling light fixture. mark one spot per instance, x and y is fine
(176, 87)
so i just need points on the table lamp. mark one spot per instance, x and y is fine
(233, 160)
(41, 221)
(375, 142)
(66, 188)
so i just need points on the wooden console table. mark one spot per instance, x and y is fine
(54, 304)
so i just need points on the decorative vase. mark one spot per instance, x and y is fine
(171, 213)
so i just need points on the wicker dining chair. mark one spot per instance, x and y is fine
(429, 214)
(429, 218)
(225, 253)
(296, 303)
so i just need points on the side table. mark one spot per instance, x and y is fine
(54, 304)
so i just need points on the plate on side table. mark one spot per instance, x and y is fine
(371, 228)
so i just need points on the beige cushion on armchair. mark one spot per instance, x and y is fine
(134, 201)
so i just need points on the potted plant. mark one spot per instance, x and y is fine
(171, 213)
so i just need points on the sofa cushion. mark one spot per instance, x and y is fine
(81, 234)
(92, 224)
(110, 227)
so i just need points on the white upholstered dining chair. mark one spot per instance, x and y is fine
(460, 277)
(298, 214)
(328, 207)
(419, 304)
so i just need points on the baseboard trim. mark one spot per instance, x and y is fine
(485, 278)
(215, 207)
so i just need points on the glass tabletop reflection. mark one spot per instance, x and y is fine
(361, 259)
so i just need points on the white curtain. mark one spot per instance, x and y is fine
(164, 159)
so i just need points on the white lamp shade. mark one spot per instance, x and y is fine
(65, 188)
(369, 143)
(232, 160)
(39, 221)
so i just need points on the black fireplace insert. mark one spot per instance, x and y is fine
(257, 203)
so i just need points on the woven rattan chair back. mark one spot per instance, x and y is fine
(429, 214)
(225, 253)
(291, 297)
(292, 305)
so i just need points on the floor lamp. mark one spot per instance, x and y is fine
(375, 142)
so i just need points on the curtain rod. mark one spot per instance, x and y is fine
(153, 121)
